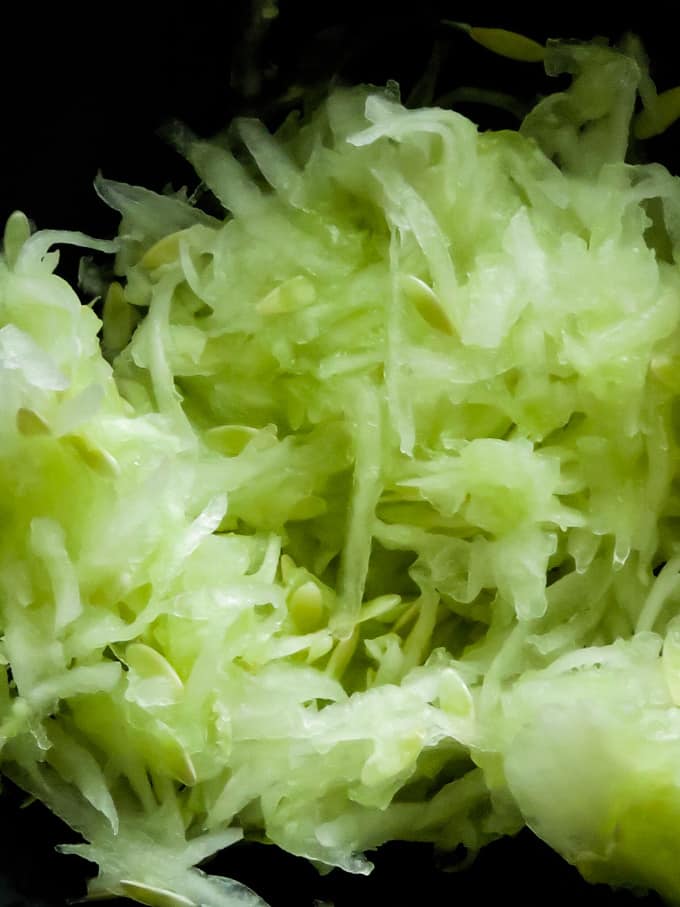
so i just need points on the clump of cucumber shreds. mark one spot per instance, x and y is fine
(357, 518)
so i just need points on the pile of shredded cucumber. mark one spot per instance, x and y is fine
(357, 516)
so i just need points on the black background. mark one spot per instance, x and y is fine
(82, 91)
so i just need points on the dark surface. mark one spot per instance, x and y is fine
(521, 870)
(81, 95)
